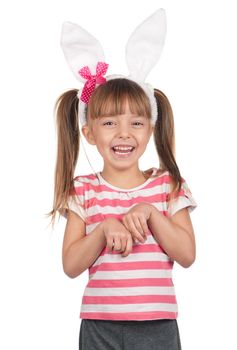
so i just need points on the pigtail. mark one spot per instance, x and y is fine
(164, 137)
(68, 142)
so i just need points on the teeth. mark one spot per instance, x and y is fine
(117, 148)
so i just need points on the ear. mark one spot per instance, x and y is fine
(152, 130)
(88, 134)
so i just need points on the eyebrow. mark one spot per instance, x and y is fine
(115, 116)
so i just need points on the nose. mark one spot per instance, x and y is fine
(124, 130)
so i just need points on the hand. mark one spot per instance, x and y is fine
(118, 238)
(135, 220)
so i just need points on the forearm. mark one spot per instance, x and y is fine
(81, 254)
(176, 241)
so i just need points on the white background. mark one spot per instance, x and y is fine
(197, 71)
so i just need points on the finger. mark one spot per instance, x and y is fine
(124, 242)
(125, 222)
(138, 223)
(117, 244)
(132, 228)
(135, 240)
(143, 223)
(128, 248)
(109, 243)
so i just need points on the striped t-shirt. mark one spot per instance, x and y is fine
(139, 286)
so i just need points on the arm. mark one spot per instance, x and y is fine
(80, 250)
(175, 235)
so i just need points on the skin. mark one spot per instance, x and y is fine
(175, 234)
(127, 128)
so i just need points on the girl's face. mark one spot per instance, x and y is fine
(120, 139)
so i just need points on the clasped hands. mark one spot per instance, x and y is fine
(133, 227)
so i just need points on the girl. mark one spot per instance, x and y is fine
(125, 225)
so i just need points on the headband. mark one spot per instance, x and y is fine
(85, 56)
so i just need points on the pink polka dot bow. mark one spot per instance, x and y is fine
(92, 80)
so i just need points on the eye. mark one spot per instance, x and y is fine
(138, 123)
(108, 123)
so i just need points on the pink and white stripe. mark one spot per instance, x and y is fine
(139, 286)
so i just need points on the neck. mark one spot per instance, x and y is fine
(125, 178)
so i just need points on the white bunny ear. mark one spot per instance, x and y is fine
(145, 45)
(80, 49)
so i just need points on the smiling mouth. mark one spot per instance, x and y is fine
(123, 150)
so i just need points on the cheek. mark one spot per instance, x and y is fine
(144, 137)
(102, 142)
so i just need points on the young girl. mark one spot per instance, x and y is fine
(125, 225)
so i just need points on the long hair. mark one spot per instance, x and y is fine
(68, 143)
(109, 98)
(164, 137)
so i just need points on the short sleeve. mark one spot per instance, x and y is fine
(76, 201)
(184, 199)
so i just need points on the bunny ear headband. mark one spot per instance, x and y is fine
(85, 57)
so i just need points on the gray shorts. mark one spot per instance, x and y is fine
(129, 335)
